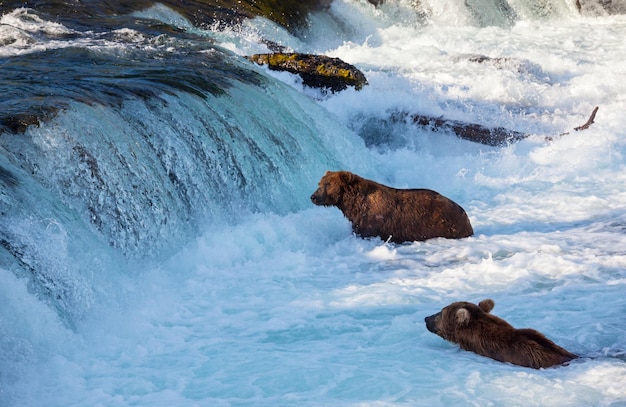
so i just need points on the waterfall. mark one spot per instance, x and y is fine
(139, 148)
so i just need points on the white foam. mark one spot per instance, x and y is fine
(293, 309)
(26, 20)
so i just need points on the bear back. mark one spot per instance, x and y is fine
(398, 215)
(475, 329)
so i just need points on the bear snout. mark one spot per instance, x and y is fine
(317, 199)
(430, 323)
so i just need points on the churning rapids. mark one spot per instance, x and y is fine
(157, 242)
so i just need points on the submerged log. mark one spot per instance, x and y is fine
(318, 71)
(491, 136)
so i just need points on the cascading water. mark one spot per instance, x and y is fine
(144, 153)
(158, 245)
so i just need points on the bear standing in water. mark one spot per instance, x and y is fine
(400, 215)
(473, 328)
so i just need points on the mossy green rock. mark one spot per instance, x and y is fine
(318, 71)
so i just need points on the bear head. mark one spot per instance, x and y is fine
(332, 187)
(450, 320)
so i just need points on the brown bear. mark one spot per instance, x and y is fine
(400, 215)
(476, 330)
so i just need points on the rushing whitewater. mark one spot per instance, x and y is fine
(157, 244)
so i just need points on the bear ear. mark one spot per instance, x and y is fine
(463, 316)
(348, 177)
(486, 305)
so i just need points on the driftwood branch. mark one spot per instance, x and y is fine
(589, 122)
(583, 127)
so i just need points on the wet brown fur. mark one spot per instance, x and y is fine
(473, 328)
(401, 215)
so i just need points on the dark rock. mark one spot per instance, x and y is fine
(595, 7)
(317, 71)
(291, 14)
(18, 123)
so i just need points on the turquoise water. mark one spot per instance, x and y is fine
(159, 247)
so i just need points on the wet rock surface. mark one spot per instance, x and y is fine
(318, 71)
